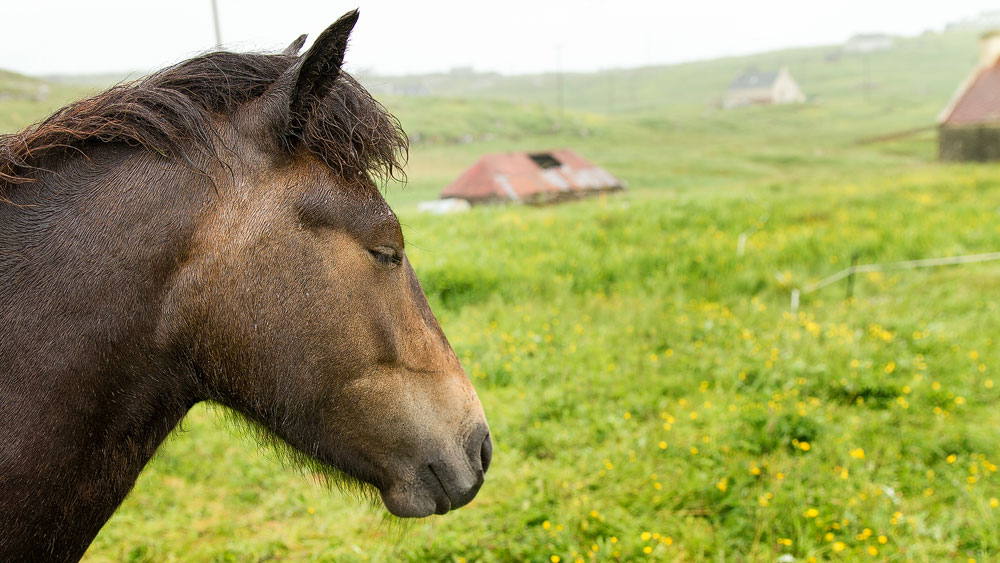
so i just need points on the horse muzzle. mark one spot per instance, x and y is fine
(447, 482)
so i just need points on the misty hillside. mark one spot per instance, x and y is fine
(26, 99)
(907, 85)
(916, 70)
(625, 119)
(13, 85)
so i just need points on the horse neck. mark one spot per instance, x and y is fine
(89, 384)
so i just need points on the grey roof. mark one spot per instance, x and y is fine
(753, 79)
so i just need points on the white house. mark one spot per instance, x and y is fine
(753, 87)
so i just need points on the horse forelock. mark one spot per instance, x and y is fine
(172, 112)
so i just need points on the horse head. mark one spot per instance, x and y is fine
(300, 307)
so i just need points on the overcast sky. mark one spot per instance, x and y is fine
(416, 36)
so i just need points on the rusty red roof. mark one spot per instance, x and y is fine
(531, 177)
(980, 101)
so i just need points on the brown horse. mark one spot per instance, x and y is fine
(215, 232)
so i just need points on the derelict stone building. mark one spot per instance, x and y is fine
(969, 126)
(531, 177)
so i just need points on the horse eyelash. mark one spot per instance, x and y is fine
(387, 259)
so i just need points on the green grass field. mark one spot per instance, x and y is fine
(650, 395)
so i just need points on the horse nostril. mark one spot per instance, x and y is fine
(486, 452)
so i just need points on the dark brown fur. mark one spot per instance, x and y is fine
(192, 237)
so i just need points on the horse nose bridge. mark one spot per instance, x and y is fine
(426, 345)
(433, 334)
(424, 316)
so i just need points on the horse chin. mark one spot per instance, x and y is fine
(406, 503)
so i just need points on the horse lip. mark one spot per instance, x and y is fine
(442, 505)
(457, 498)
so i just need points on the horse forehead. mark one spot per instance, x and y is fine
(371, 215)
(355, 205)
(373, 202)
(375, 214)
(361, 198)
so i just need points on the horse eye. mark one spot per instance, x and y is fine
(386, 256)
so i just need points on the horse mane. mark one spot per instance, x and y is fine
(171, 112)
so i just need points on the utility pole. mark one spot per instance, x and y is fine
(559, 86)
(868, 78)
(611, 91)
(215, 19)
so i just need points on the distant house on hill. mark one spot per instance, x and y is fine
(969, 126)
(524, 177)
(753, 87)
(868, 43)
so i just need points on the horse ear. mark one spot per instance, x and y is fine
(317, 71)
(292, 50)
